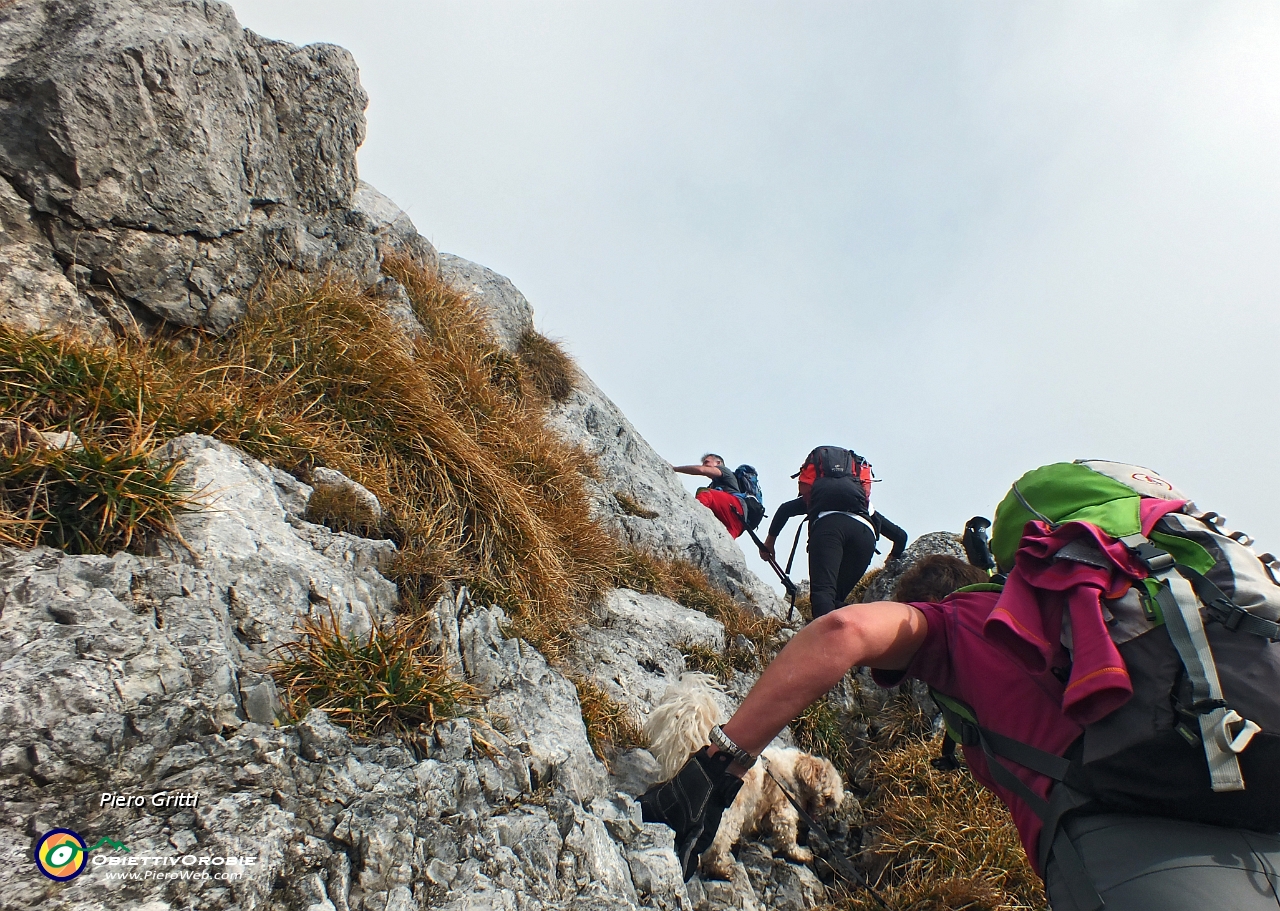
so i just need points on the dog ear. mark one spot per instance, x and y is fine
(810, 771)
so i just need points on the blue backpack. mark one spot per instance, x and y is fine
(751, 495)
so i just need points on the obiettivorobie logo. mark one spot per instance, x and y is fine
(61, 854)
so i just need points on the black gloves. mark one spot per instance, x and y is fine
(692, 803)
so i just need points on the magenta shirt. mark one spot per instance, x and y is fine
(958, 661)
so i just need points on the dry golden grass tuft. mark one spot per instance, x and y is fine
(548, 368)
(476, 487)
(389, 682)
(611, 727)
(98, 498)
(449, 431)
(936, 840)
(109, 494)
(633, 507)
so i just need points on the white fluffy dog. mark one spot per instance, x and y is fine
(678, 727)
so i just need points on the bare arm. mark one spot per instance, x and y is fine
(883, 634)
(707, 471)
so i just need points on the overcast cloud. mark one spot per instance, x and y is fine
(964, 239)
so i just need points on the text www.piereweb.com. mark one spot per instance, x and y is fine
(164, 875)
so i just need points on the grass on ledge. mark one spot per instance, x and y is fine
(611, 727)
(391, 682)
(684, 583)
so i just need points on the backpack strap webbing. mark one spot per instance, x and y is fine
(962, 725)
(1181, 608)
(1227, 612)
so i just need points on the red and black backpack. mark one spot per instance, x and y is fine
(836, 462)
(838, 479)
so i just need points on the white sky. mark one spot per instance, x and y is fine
(965, 239)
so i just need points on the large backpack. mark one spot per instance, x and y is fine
(1200, 737)
(836, 462)
(839, 479)
(750, 495)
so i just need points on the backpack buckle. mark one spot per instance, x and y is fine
(1156, 561)
(1228, 614)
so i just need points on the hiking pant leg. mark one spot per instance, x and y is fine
(859, 547)
(826, 550)
(1144, 863)
(840, 547)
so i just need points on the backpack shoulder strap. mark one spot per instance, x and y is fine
(1180, 607)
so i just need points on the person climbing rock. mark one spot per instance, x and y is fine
(724, 495)
(835, 487)
(1072, 679)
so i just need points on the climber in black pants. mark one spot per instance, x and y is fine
(843, 530)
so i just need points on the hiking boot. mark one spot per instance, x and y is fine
(692, 803)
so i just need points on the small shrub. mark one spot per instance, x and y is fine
(633, 508)
(548, 368)
(611, 727)
(392, 682)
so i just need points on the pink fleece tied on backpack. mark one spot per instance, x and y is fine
(1027, 620)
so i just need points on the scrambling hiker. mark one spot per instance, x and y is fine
(733, 496)
(1112, 694)
(835, 495)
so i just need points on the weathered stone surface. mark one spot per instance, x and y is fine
(166, 157)
(132, 675)
(509, 313)
(638, 649)
(34, 293)
(389, 223)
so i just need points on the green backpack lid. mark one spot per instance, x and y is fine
(1058, 493)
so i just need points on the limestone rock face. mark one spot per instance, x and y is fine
(159, 158)
(130, 675)
(637, 651)
(683, 527)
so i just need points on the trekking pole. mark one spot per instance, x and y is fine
(833, 858)
(786, 580)
(794, 544)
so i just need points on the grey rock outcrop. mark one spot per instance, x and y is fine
(159, 160)
(132, 676)
(935, 542)
(507, 310)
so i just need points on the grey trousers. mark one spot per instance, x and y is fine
(1142, 863)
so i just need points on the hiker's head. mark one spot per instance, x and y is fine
(934, 577)
(711, 460)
